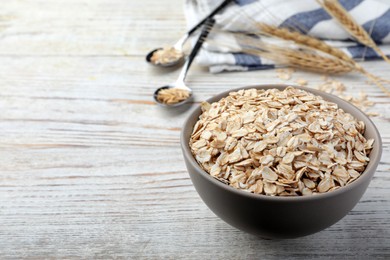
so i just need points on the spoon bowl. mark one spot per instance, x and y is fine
(173, 85)
(164, 64)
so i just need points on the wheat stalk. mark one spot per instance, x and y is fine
(296, 58)
(313, 43)
(305, 40)
(304, 59)
(337, 11)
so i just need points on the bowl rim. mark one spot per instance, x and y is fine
(372, 165)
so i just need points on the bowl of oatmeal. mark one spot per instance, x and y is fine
(280, 161)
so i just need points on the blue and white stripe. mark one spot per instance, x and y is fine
(304, 15)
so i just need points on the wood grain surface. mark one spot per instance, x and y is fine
(90, 167)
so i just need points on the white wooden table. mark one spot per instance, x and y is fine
(90, 167)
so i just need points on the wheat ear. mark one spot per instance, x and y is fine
(295, 58)
(307, 60)
(314, 43)
(337, 11)
(307, 41)
(311, 42)
(302, 39)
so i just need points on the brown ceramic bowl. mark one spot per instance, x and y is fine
(280, 217)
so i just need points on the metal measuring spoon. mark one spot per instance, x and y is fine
(179, 84)
(177, 49)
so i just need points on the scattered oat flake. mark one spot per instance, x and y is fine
(301, 82)
(284, 74)
(337, 88)
(373, 114)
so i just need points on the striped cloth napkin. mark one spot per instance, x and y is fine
(306, 15)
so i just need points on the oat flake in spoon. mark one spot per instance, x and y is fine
(172, 95)
(166, 56)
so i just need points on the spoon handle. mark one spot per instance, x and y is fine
(203, 35)
(179, 44)
(216, 10)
